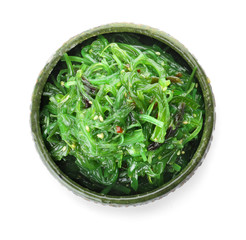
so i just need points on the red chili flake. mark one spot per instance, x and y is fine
(155, 105)
(138, 70)
(119, 129)
(179, 74)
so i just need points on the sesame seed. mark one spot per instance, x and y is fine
(62, 83)
(90, 102)
(178, 153)
(164, 88)
(158, 53)
(196, 85)
(95, 118)
(73, 146)
(183, 152)
(87, 128)
(185, 122)
(100, 135)
(194, 115)
(64, 148)
(101, 118)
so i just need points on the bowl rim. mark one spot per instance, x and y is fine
(184, 175)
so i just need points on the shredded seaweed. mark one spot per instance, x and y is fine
(120, 115)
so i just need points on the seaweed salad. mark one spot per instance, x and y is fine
(121, 114)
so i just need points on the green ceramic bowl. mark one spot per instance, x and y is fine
(200, 153)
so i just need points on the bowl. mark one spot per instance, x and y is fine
(206, 137)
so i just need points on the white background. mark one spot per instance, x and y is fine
(211, 205)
